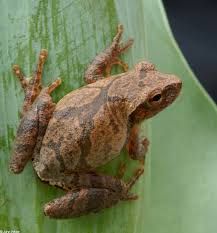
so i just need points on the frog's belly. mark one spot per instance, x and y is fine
(82, 143)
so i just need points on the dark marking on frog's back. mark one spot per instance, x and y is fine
(116, 109)
(56, 147)
(90, 108)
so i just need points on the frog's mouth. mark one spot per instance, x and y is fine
(143, 111)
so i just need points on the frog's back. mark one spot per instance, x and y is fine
(84, 131)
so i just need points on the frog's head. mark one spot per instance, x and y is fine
(156, 91)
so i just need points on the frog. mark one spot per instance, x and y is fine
(69, 140)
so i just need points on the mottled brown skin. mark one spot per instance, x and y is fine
(88, 128)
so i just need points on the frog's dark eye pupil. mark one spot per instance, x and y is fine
(156, 98)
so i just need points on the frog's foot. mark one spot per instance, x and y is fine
(92, 199)
(116, 45)
(136, 147)
(31, 87)
(121, 170)
(134, 178)
(103, 62)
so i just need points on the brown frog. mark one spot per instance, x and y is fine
(88, 127)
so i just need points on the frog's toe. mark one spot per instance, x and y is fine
(124, 46)
(19, 74)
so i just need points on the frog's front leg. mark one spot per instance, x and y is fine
(137, 147)
(37, 111)
(98, 192)
(103, 62)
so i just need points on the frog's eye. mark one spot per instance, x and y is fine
(155, 97)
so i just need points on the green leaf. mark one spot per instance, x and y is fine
(178, 191)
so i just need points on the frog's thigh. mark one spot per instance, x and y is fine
(84, 201)
(86, 180)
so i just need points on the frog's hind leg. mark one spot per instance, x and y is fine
(32, 129)
(31, 87)
(121, 170)
(87, 192)
(98, 192)
(103, 62)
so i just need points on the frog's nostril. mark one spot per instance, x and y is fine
(179, 86)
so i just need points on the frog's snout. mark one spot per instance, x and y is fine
(178, 87)
(173, 89)
(175, 84)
